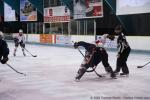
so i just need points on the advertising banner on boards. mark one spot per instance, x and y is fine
(88, 9)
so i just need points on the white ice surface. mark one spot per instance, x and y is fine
(50, 76)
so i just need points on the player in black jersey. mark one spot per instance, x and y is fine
(123, 51)
(4, 51)
(93, 56)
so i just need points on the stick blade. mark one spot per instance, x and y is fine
(23, 74)
(101, 76)
(34, 55)
(139, 66)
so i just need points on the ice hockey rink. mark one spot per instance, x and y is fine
(50, 76)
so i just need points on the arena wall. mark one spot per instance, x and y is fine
(136, 42)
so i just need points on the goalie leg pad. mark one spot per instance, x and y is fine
(80, 73)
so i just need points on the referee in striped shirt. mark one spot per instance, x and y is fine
(123, 52)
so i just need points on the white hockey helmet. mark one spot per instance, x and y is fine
(20, 31)
(1, 34)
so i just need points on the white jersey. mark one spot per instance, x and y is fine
(21, 38)
(101, 40)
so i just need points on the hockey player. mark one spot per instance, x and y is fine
(4, 51)
(19, 40)
(93, 56)
(123, 51)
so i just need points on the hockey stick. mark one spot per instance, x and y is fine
(15, 70)
(30, 53)
(143, 65)
(93, 69)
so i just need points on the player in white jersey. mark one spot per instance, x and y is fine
(19, 40)
(100, 42)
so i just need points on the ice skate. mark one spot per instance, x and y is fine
(124, 74)
(113, 75)
(14, 54)
(24, 54)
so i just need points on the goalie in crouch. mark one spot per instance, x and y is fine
(93, 56)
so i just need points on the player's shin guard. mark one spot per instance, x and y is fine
(23, 52)
(80, 73)
(15, 51)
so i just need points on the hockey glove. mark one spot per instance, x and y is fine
(4, 60)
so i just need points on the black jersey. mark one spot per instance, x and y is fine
(4, 51)
(122, 43)
(88, 46)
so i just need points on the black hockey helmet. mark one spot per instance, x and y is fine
(76, 45)
(111, 37)
(118, 27)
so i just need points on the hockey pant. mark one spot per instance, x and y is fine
(22, 45)
(102, 56)
(121, 61)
